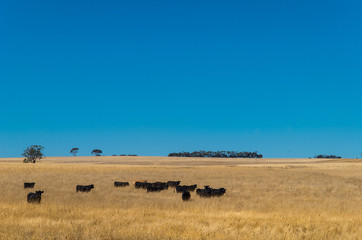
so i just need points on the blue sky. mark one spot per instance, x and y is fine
(154, 77)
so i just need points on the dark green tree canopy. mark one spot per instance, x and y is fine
(74, 151)
(327, 156)
(97, 152)
(33, 153)
(218, 154)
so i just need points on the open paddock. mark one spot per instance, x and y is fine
(265, 199)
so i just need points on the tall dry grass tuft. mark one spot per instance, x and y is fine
(280, 200)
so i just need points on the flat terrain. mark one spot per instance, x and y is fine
(265, 199)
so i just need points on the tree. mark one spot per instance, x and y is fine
(74, 151)
(33, 153)
(97, 152)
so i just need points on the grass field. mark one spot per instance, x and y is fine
(265, 199)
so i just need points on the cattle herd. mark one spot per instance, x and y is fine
(206, 192)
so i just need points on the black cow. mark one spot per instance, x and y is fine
(184, 188)
(82, 188)
(162, 185)
(173, 183)
(141, 184)
(154, 189)
(208, 192)
(218, 192)
(121, 184)
(34, 197)
(186, 196)
(156, 186)
(29, 185)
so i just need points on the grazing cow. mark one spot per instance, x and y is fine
(208, 192)
(186, 196)
(184, 188)
(134, 182)
(29, 185)
(218, 192)
(82, 188)
(121, 184)
(34, 197)
(141, 184)
(151, 188)
(173, 183)
(161, 185)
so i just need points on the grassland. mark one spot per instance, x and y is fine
(265, 199)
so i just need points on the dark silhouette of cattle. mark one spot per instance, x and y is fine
(152, 187)
(208, 192)
(29, 185)
(34, 197)
(186, 196)
(141, 184)
(121, 184)
(184, 188)
(84, 188)
(134, 182)
(161, 185)
(173, 183)
(218, 192)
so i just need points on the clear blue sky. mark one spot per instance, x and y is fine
(154, 77)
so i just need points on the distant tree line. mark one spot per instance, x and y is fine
(34, 153)
(327, 156)
(126, 155)
(217, 154)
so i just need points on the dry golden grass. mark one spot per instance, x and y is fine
(265, 199)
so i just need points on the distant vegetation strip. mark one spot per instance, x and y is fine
(327, 156)
(217, 154)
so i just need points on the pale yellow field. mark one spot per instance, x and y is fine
(265, 199)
